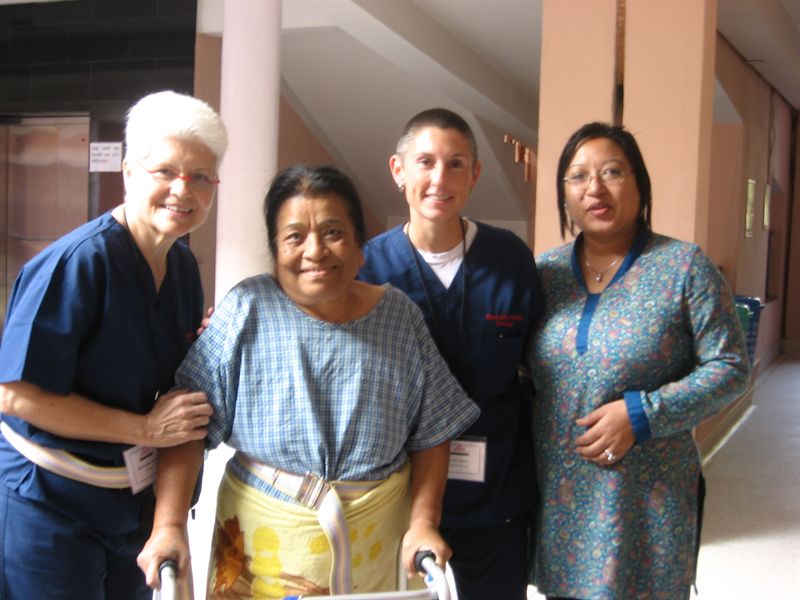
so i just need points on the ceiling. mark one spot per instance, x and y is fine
(356, 70)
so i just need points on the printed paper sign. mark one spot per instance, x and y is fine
(105, 157)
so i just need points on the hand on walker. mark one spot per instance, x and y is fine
(423, 536)
(166, 542)
(609, 434)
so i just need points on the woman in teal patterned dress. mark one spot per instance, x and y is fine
(638, 344)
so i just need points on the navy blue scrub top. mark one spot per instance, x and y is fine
(84, 317)
(503, 302)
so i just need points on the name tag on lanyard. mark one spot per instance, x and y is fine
(468, 459)
(141, 462)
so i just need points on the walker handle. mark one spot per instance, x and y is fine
(435, 579)
(168, 575)
(419, 557)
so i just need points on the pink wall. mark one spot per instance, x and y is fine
(760, 149)
(725, 198)
(750, 95)
(576, 86)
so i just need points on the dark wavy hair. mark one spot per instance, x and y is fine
(311, 181)
(625, 140)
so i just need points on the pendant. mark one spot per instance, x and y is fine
(598, 277)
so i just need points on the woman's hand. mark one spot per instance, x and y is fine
(204, 323)
(177, 417)
(423, 535)
(166, 542)
(609, 435)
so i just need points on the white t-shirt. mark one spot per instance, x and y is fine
(445, 264)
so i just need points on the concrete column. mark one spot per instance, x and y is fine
(250, 102)
(576, 86)
(669, 95)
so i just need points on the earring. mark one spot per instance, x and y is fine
(402, 188)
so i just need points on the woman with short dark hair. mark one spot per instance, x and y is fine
(477, 287)
(338, 404)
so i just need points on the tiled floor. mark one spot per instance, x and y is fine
(751, 537)
(750, 548)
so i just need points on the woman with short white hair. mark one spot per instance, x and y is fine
(96, 326)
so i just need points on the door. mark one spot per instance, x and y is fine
(44, 188)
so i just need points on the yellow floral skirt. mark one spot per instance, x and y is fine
(267, 548)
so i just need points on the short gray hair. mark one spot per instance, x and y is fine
(168, 114)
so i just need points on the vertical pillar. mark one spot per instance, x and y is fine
(791, 337)
(207, 67)
(250, 100)
(669, 95)
(576, 86)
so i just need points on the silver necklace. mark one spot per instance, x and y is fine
(598, 275)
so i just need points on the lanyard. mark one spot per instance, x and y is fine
(436, 325)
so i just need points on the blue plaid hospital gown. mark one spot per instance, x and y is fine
(346, 401)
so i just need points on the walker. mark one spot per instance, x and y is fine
(425, 561)
(168, 574)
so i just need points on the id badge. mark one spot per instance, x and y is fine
(141, 463)
(468, 459)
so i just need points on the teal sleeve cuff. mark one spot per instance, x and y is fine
(639, 422)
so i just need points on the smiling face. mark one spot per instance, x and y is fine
(438, 172)
(318, 255)
(161, 211)
(602, 210)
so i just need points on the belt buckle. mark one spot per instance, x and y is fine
(312, 491)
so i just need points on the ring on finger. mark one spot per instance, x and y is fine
(609, 455)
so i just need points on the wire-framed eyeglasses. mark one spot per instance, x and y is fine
(166, 176)
(580, 178)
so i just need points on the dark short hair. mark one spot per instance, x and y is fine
(311, 181)
(625, 140)
(441, 118)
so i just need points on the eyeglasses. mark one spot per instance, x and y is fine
(166, 176)
(609, 176)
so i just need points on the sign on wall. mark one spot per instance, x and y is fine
(105, 157)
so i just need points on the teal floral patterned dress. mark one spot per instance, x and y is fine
(664, 336)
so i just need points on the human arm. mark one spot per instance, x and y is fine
(428, 480)
(718, 371)
(177, 473)
(701, 365)
(177, 417)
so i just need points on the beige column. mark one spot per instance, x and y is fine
(576, 86)
(669, 95)
(250, 100)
